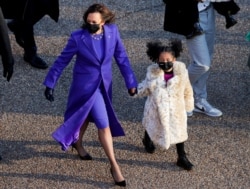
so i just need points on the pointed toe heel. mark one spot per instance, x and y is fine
(121, 183)
(86, 157)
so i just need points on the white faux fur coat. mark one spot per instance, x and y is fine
(167, 104)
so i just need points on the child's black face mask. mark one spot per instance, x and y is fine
(165, 65)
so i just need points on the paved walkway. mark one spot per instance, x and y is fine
(218, 147)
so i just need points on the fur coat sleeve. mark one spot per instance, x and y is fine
(165, 117)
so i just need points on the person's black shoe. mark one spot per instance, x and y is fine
(35, 61)
(120, 183)
(0, 158)
(230, 21)
(16, 29)
(184, 163)
(85, 157)
(148, 144)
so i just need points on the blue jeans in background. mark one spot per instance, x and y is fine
(201, 49)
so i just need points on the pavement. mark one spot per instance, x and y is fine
(218, 147)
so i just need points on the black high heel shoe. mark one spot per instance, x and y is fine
(121, 183)
(86, 157)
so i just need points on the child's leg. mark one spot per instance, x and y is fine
(147, 142)
(182, 158)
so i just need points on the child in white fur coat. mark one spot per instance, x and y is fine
(169, 98)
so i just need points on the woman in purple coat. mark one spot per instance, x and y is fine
(90, 93)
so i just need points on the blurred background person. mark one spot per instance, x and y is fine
(24, 14)
(5, 50)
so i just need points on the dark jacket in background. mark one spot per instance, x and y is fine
(225, 8)
(30, 10)
(180, 15)
(25, 14)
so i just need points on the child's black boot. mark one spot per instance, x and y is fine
(147, 142)
(182, 160)
(184, 163)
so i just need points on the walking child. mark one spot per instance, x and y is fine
(169, 98)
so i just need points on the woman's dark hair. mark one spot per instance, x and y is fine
(107, 15)
(154, 49)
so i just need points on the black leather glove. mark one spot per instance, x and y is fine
(132, 91)
(8, 70)
(49, 94)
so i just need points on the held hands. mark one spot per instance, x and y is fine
(132, 91)
(49, 94)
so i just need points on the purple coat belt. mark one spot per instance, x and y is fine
(88, 74)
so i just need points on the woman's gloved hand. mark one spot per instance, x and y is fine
(132, 91)
(49, 94)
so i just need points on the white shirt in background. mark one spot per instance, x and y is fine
(203, 5)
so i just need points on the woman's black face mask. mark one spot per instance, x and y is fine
(93, 28)
(165, 65)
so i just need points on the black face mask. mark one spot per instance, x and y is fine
(93, 28)
(165, 65)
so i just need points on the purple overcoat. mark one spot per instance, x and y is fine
(88, 73)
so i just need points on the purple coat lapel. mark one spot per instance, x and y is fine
(87, 41)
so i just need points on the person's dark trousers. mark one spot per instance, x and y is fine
(5, 49)
(25, 38)
(24, 34)
(25, 14)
